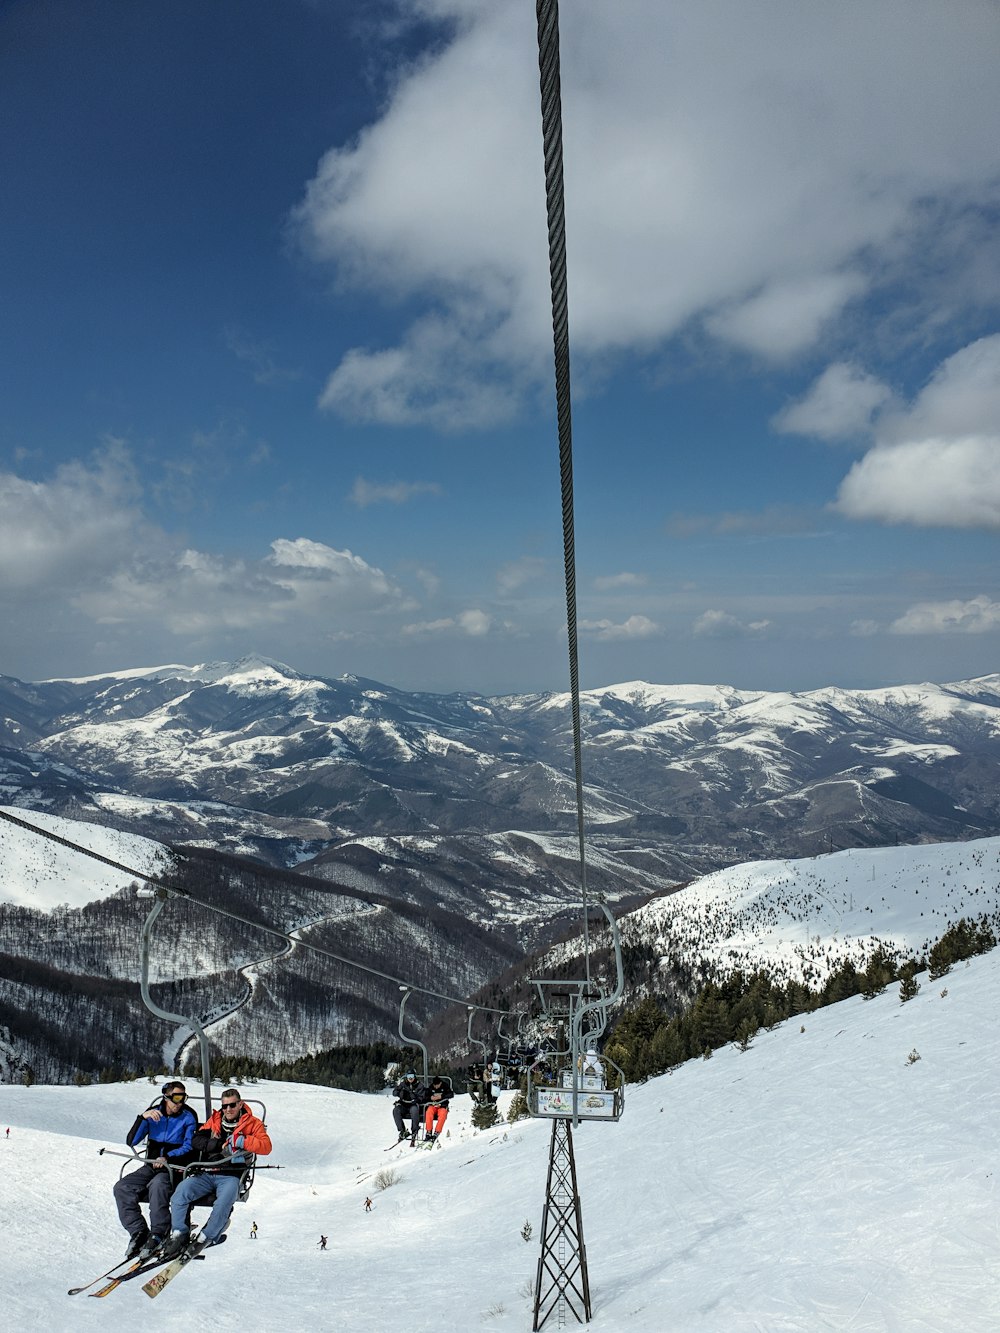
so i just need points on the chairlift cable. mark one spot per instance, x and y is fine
(179, 891)
(547, 13)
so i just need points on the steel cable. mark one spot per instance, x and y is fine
(547, 13)
(179, 891)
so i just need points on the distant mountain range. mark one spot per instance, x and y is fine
(435, 833)
(255, 758)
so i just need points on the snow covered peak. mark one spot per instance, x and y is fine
(248, 670)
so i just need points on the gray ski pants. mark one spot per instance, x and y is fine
(150, 1183)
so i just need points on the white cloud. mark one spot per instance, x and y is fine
(787, 316)
(979, 615)
(936, 463)
(754, 166)
(365, 493)
(473, 623)
(723, 625)
(961, 398)
(194, 592)
(517, 573)
(839, 405)
(436, 377)
(608, 582)
(72, 528)
(635, 627)
(426, 627)
(930, 483)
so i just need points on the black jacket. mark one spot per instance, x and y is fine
(437, 1096)
(406, 1093)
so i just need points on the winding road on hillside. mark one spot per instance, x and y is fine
(176, 1047)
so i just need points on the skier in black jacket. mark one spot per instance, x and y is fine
(407, 1105)
(168, 1127)
(436, 1097)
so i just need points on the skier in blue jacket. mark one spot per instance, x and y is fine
(167, 1127)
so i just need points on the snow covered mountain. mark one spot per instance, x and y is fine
(835, 1175)
(256, 758)
(800, 920)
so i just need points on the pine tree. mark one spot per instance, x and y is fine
(518, 1109)
(486, 1115)
(908, 984)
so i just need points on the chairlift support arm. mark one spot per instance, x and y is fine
(413, 1041)
(161, 895)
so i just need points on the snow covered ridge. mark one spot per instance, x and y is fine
(40, 874)
(728, 1197)
(259, 759)
(800, 920)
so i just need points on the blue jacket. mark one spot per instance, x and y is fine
(170, 1136)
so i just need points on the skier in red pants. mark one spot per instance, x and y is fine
(437, 1095)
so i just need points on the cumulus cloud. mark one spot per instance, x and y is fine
(930, 483)
(962, 398)
(365, 493)
(747, 170)
(192, 592)
(635, 627)
(936, 463)
(73, 528)
(840, 405)
(787, 316)
(723, 625)
(473, 623)
(979, 615)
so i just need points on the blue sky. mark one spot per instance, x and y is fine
(275, 369)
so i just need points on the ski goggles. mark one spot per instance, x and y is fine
(176, 1097)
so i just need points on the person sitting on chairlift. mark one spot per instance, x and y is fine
(407, 1106)
(168, 1127)
(230, 1138)
(437, 1095)
(474, 1078)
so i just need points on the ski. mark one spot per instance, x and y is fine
(156, 1283)
(138, 1269)
(133, 1264)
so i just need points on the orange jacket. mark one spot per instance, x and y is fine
(255, 1136)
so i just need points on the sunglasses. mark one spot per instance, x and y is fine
(176, 1097)
(228, 1106)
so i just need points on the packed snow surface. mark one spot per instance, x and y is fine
(36, 872)
(803, 918)
(825, 1179)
